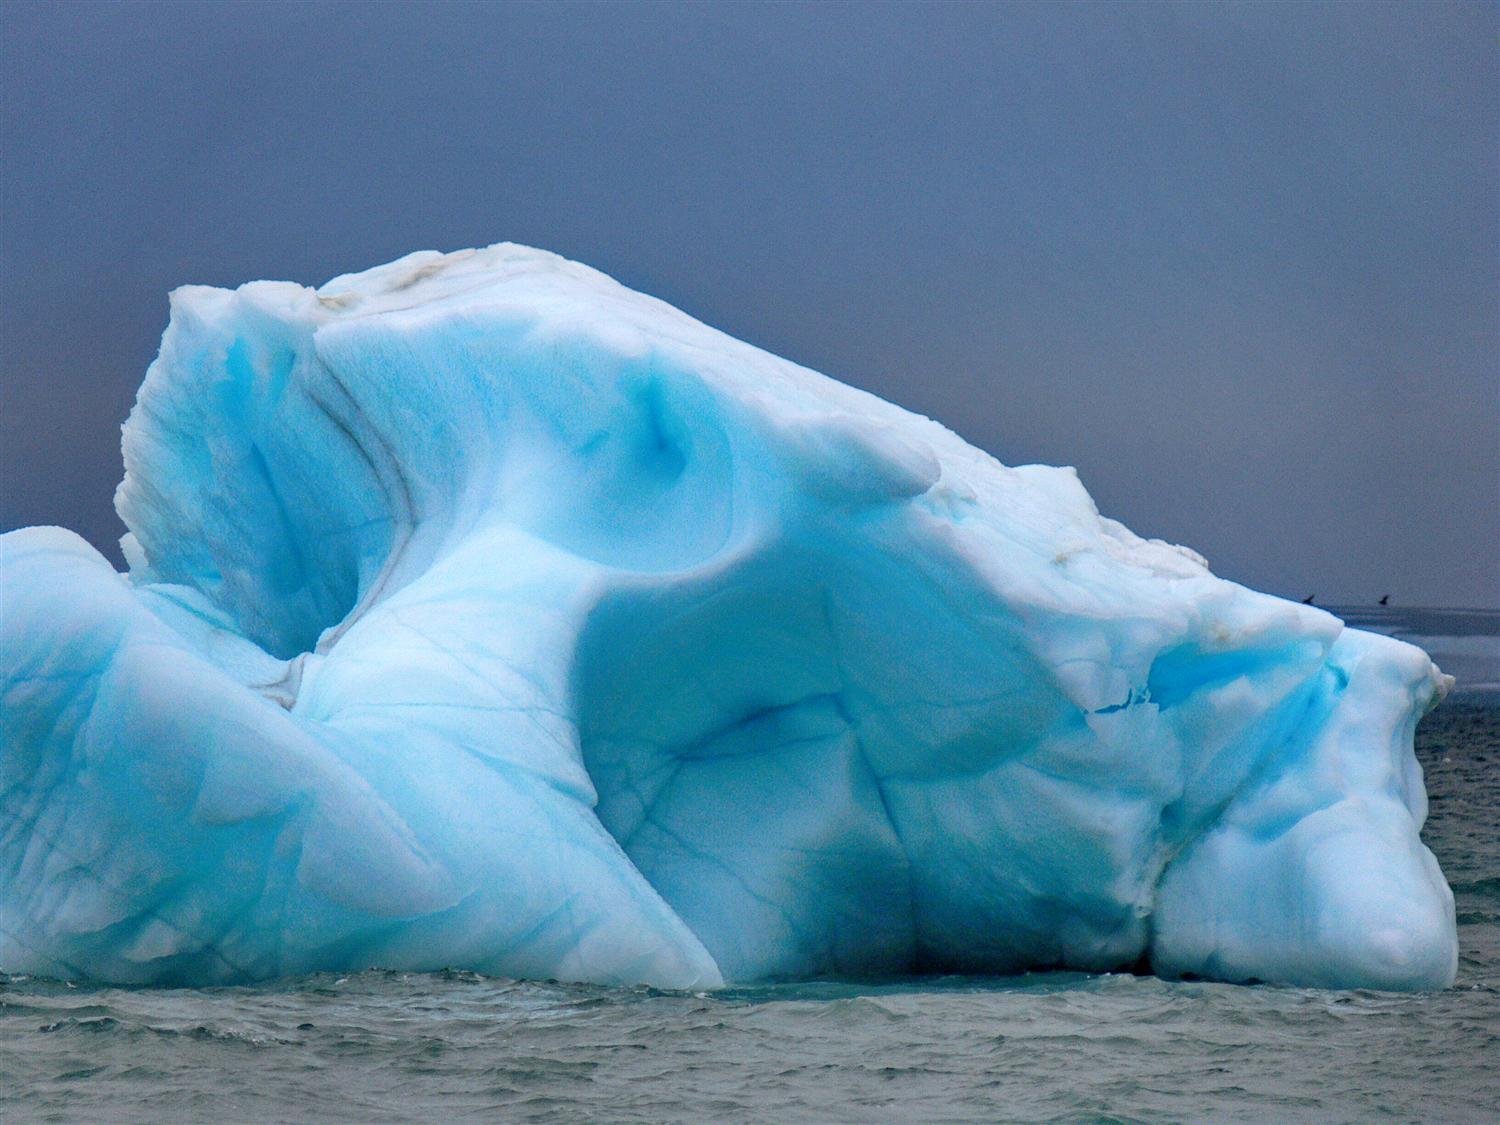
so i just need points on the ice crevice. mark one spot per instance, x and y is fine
(483, 613)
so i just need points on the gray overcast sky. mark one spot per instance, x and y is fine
(1238, 263)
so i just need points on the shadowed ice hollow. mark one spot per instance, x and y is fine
(483, 613)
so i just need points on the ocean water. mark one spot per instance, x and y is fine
(381, 1046)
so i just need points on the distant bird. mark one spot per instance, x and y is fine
(1385, 600)
(1308, 600)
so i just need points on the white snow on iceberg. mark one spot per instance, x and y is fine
(484, 613)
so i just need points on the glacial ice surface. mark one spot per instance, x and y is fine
(484, 613)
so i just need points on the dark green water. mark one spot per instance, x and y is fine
(398, 1046)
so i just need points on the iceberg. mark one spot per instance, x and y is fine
(483, 613)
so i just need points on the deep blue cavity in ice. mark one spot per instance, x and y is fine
(485, 614)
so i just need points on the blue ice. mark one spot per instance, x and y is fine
(483, 613)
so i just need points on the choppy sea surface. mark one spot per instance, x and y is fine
(382, 1046)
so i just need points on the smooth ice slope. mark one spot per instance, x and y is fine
(483, 613)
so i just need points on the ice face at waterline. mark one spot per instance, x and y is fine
(484, 613)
